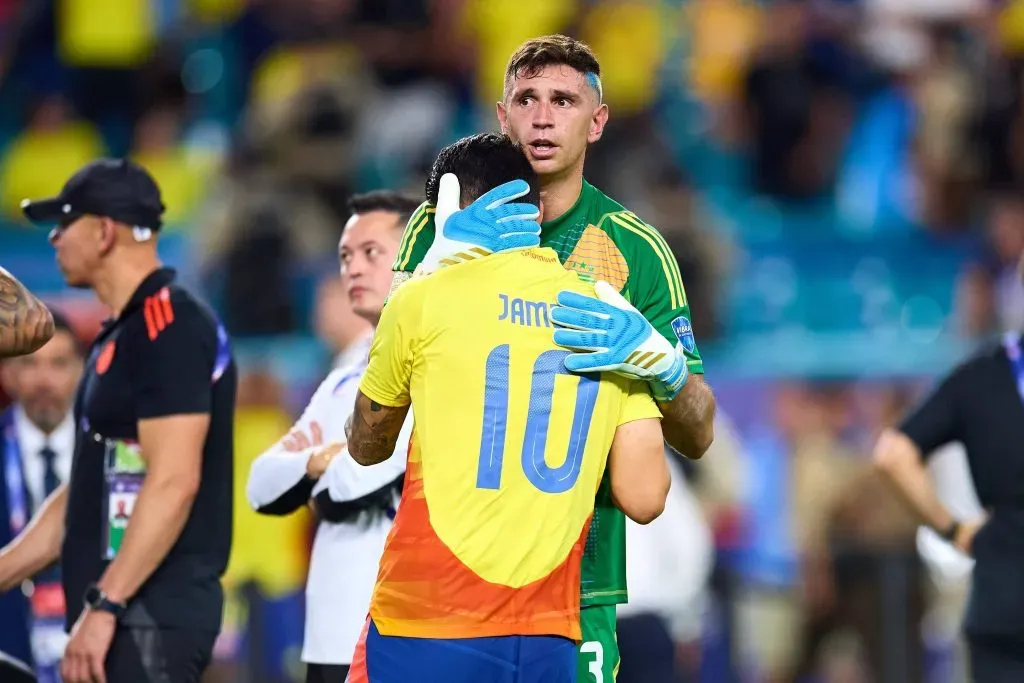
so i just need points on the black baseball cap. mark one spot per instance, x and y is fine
(116, 188)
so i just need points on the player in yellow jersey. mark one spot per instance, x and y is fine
(479, 581)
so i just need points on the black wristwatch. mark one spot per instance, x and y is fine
(96, 599)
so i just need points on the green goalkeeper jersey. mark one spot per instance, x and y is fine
(600, 239)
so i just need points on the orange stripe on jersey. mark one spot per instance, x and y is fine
(424, 591)
(158, 312)
(151, 328)
(357, 673)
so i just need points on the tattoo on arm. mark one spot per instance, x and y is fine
(688, 421)
(25, 323)
(372, 430)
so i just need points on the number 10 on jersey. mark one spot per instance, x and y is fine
(542, 388)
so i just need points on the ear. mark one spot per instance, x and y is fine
(502, 117)
(597, 124)
(108, 236)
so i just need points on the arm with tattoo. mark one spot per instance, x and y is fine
(372, 430)
(688, 420)
(25, 322)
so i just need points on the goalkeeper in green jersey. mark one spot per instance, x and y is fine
(640, 326)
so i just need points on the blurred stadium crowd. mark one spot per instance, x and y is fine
(839, 179)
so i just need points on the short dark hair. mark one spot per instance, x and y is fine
(61, 323)
(481, 163)
(537, 53)
(402, 203)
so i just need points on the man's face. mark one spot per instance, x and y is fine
(554, 116)
(368, 247)
(79, 249)
(336, 322)
(44, 382)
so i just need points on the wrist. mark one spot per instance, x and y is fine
(949, 533)
(313, 471)
(670, 382)
(98, 600)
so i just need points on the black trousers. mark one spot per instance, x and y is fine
(996, 660)
(647, 651)
(326, 673)
(157, 655)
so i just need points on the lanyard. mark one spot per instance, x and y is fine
(223, 354)
(1011, 343)
(17, 500)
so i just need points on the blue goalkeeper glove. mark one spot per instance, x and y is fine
(491, 224)
(615, 337)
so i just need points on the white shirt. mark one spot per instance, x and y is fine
(668, 562)
(354, 353)
(343, 567)
(31, 440)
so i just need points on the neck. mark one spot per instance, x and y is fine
(115, 285)
(372, 320)
(559, 194)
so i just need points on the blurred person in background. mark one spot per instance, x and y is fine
(879, 580)
(980, 404)
(38, 444)
(354, 505)
(991, 295)
(143, 528)
(52, 146)
(182, 174)
(281, 203)
(795, 108)
(668, 564)
(788, 592)
(25, 321)
(946, 155)
(261, 633)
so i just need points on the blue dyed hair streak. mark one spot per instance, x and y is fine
(594, 81)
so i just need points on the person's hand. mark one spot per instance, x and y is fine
(318, 461)
(489, 225)
(87, 649)
(609, 335)
(298, 441)
(964, 539)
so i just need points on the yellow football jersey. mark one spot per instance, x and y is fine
(507, 452)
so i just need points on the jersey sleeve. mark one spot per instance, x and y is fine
(655, 287)
(934, 421)
(389, 371)
(174, 354)
(419, 235)
(639, 404)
